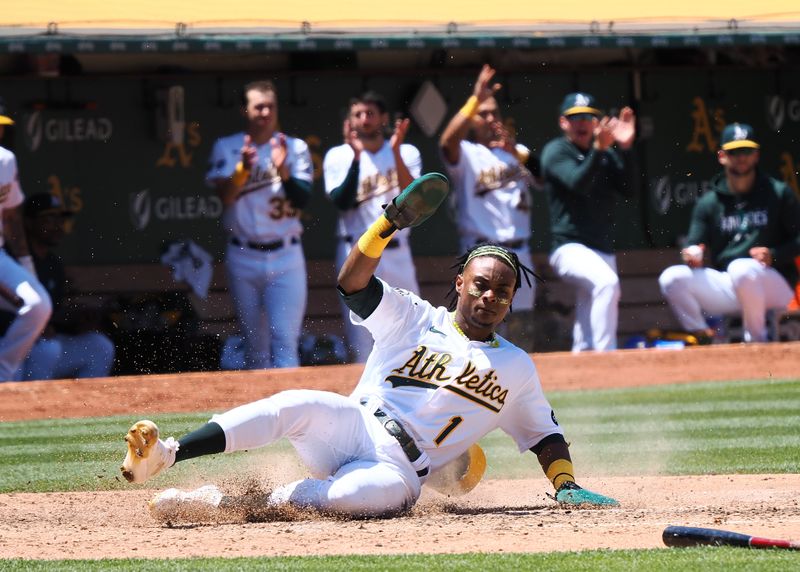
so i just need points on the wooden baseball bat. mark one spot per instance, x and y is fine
(682, 536)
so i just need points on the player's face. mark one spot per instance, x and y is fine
(579, 128)
(486, 121)
(367, 120)
(262, 110)
(739, 162)
(485, 291)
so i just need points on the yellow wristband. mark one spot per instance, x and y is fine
(559, 472)
(470, 107)
(373, 241)
(240, 175)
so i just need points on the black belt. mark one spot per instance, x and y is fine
(394, 243)
(397, 431)
(264, 246)
(512, 244)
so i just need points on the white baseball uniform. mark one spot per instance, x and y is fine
(377, 186)
(445, 390)
(32, 306)
(492, 200)
(264, 259)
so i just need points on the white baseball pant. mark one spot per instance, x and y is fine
(747, 287)
(597, 292)
(31, 317)
(357, 468)
(269, 291)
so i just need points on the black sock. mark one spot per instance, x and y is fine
(207, 440)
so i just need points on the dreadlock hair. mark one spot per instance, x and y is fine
(501, 253)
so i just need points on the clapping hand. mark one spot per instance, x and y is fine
(249, 153)
(624, 128)
(352, 139)
(399, 135)
(279, 153)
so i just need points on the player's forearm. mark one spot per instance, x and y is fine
(553, 455)
(404, 177)
(356, 271)
(453, 134)
(297, 191)
(344, 196)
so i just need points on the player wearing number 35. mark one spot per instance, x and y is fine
(438, 380)
(264, 178)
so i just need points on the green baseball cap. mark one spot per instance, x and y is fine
(738, 136)
(579, 103)
(4, 118)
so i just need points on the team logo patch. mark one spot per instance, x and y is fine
(553, 416)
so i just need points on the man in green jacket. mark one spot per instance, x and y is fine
(583, 171)
(748, 228)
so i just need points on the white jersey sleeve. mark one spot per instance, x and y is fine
(529, 418)
(223, 160)
(335, 166)
(400, 313)
(11, 195)
(299, 159)
(412, 159)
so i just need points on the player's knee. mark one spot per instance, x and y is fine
(673, 278)
(743, 270)
(46, 350)
(608, 287)
(37, 307)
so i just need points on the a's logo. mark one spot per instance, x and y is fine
(180, 137)
(776, 112)
(739, 133)
(435, 331)
(140, 209)
(705, 122)
(581, 100)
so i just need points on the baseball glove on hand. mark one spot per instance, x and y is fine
(571, 494)
(418, 201)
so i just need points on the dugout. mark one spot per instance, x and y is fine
(117, 105)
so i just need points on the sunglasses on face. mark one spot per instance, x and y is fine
(581, 117)
(742, 152)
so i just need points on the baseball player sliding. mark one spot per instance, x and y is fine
(437, 380)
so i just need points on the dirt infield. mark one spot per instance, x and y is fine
(491, 519)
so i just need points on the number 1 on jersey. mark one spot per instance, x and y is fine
(454, 422)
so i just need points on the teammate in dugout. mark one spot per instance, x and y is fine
(748, 227)
(264, 178)
(492, 178)
(436, 382)
(21, 293)
(583, 172)
(361, 176)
